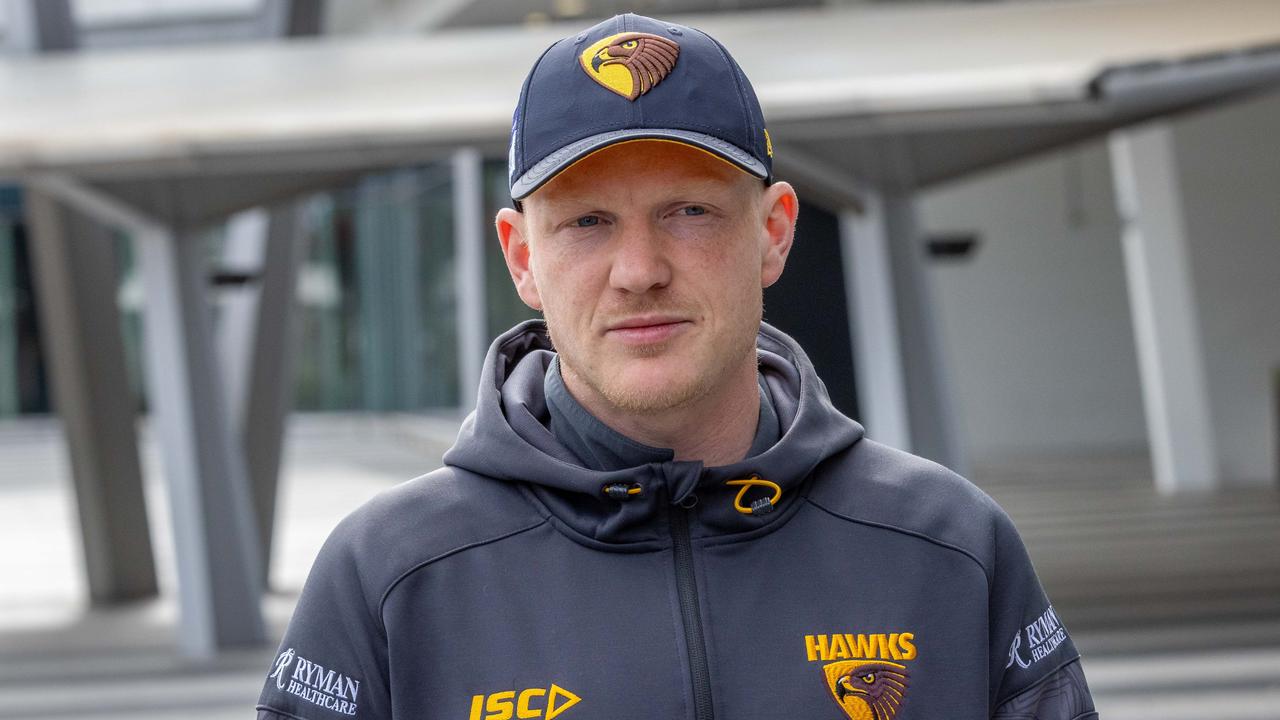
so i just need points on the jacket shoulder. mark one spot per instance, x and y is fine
(429, 517)
(878, 485)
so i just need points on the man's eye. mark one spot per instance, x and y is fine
(586, 221)
(693, 210)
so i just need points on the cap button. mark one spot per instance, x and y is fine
(580, 38)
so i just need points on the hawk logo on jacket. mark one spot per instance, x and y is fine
(527, 703)
(631, 63)
(869, 678)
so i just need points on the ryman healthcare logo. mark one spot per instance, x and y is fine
(1043, 637)
(310, 681)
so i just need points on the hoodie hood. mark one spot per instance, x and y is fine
(507, 437)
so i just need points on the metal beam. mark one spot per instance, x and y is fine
(74, 262)
(468, 239)
(1163, 303)
(215, 533)
(256, 344)
(930, 413)
(291, 18)
(102, 207)
(36, 26)
(75, 271)
(243, 254)
(882, 393)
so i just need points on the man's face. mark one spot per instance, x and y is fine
(648, 260)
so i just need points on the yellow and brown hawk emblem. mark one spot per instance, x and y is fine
(631, 63)
(867, 689)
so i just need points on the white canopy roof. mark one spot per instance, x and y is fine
(955, 87)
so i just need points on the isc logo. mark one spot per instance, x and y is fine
(545, 703)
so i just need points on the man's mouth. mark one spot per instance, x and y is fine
(647, 329)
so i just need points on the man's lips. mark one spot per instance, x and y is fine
(647, 328)
(645, 321)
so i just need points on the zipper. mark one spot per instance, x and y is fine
(687, 591)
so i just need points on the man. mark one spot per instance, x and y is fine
(655, 511)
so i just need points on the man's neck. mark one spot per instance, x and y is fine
(717, 428)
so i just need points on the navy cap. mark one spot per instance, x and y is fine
(628, 78)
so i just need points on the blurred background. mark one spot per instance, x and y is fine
(247, 279)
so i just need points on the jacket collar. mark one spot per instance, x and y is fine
(599, 447)
(508, 437)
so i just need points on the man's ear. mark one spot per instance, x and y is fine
(780, 207)
(512, 233)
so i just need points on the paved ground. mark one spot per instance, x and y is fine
(1174, 602)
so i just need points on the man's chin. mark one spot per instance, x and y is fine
(649, 392)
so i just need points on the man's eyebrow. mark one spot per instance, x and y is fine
(565, 204)
(551, 212)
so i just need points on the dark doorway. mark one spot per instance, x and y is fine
(809, 304)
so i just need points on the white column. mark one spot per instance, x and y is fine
(873, 315)
(901, 367)
(1162, 301)
(243, 253)
(257, 346)
(469, 237)
(215, 534)
(74, 263)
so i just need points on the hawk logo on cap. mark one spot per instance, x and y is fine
(631, 63)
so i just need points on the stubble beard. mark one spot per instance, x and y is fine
(662, 397)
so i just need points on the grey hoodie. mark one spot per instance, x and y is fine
(825, 577)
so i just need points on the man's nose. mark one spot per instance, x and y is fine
(640, 262)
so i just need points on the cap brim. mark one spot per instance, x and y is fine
(548, 167)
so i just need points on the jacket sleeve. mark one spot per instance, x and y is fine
(332, 662)
(1035, 669)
